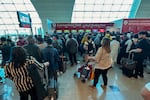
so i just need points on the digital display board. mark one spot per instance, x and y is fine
(24, 20)
(66, 31)
(88, 30)
(81, 31)
(59, 31)
(73, 31)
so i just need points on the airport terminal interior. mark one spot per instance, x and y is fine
(54, 21)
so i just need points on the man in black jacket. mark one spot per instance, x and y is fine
(141, 51)
(72, 48)
(51, 55)
(33, 50)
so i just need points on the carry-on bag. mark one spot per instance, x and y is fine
(63, 64)
(34, 74)
(128, 65)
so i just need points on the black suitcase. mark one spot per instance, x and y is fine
(53, 89)
(62, 64)
(127, 72)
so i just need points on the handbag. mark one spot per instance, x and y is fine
(129, 63)
(91, 75)
(33, 73)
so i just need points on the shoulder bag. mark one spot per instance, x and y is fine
(33, 73)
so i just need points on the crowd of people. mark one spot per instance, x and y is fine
(100, 47)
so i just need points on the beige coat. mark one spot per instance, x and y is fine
(103, 59)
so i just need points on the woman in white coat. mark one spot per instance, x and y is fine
(114, 45)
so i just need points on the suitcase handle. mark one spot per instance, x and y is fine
(131, 55)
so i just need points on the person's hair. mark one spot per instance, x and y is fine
(40, 39)
(18, 56)
(56, 36)
(3, 39)
(49, 41)
(89, 37)
(135, 36)
(143, 33)
(106, 44)
(31, 39)
(70, 36)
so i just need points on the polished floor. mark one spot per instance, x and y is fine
(119, 87)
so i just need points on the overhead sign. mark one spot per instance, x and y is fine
(136, 25)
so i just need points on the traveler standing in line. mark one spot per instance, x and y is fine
(57, 43)
(122, 50)
(5, 48)
(41, 43)
(32, 49)
(114, 45)
(97, 41)
(89, 46)
(141, 51)
(103, 62)
(72, 49)
(51, 55)
(21, 41)
(17, 71)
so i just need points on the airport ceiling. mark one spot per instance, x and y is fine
(59, 11)
(55, 10)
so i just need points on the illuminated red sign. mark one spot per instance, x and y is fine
(136, 25)
(83, 26)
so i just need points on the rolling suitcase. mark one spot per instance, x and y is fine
(127, 72)
(62, 64)
(128, 66)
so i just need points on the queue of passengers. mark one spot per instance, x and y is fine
(52, 47)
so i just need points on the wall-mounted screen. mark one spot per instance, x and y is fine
(88, 30)
(24, 20)
(59, 31)
(81, 31)
(74, 31)
(66, 31)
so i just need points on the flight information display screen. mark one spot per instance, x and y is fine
(24, 19)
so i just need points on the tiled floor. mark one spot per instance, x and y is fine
(119, 87)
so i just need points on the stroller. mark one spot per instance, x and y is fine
(83, 72)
